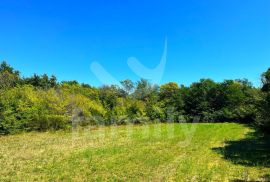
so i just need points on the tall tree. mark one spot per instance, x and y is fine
(266, 81)
(198, 98)
(171, 96)
(145, 91)
(43, 81)
(263, 115)
(8, 76)
(128, 86)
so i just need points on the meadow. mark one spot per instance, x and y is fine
(155, 152)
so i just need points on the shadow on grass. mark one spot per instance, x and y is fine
(254, 150)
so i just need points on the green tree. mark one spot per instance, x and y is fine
(198, 99)
(263, 114)
(43, 81)
(8, 76)
(235, 101)
(170, 94)
(128, 86)
(172, 100)
(145, 91)
(266, 81)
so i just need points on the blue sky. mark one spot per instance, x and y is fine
(218, 39)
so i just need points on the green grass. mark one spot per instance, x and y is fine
(159, 152)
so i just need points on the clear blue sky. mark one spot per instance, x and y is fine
(218, 39)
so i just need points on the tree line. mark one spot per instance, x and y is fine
(40, 102)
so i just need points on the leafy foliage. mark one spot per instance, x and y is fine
(8, 76)
(263, 115)
(41, 103)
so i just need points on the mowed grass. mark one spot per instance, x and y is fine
(157, 152)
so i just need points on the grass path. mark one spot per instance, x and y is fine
(162, 152)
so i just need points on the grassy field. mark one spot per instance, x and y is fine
(161, 152)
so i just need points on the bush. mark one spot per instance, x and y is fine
(263, 114)
(25, 108)
(154, 112)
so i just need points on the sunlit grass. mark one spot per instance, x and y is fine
(159, 152)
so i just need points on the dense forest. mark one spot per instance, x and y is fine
(40, 102)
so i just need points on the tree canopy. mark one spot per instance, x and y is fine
(40, 102)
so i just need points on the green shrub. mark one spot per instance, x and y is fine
(25, 108)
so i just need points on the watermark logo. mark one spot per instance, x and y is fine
(147, 128)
